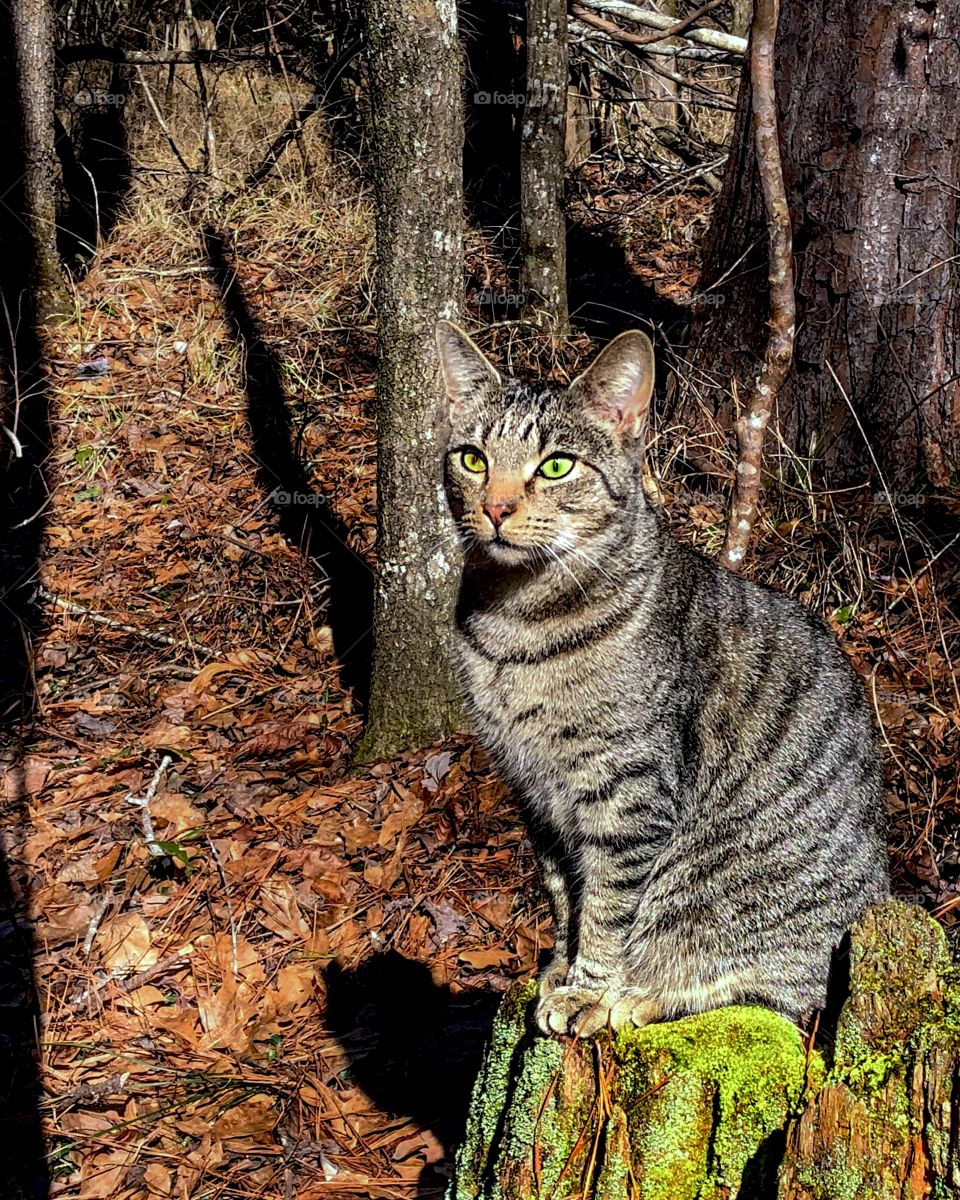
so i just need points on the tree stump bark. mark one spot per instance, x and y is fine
(732, 1103)
(886, 1123)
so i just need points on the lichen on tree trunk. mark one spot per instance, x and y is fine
(33, 197)
(685, 1109)
(886, 1123)
(413, 58)
(732, 1103)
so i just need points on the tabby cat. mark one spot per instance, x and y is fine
(694, 756)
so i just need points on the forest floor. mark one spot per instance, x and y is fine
(282, 989)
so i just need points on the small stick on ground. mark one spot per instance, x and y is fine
(226, 897)
(99, 912)
(148, 635)
(778, 354)
(143, 803)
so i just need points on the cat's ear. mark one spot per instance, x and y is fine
(618, 384)
(467, 374)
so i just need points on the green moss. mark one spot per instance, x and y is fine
(693, 1108)
(541, 1116)
(697, 1109)
(865, 1068)
(704, 1094)
(832, 1180)
(616, 1173)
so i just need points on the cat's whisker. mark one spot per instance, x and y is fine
(590, 561)
(563, 566)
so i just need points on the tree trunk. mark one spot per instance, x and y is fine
(543, 231)
(417, 125)
(32, 29)
(868, 98)
(730, 1104)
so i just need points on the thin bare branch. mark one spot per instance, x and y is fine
(94, 52)
(778, 354)
(668, 27)
(162, 123)
(643, 39)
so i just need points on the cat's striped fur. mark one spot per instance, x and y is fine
(694, 756)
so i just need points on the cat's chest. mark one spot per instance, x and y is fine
(533, 715)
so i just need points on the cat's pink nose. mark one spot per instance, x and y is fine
(498, 513)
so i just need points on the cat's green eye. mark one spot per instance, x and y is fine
(473, 461)
(556, 467)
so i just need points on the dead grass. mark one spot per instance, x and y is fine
(288, 999)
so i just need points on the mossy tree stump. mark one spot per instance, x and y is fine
(732, 1104)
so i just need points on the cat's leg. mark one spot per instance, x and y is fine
(554, 974)
(616, 859)
(597, 991)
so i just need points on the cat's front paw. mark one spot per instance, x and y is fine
(576, 1011)
(634, 1007)
(553, 975)
(582, 1012)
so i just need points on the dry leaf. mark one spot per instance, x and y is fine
(479, 959)
(254, 1117)
(157, 1178)
(125, 944)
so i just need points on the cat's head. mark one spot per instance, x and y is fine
(535, 472)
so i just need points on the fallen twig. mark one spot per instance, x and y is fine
(159, 639)
(99, 912)
(17, 445)
(643, 39)
(778, 353)
(226, 899)
(143, 803)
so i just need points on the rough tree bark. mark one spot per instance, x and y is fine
(733, 1104)
(33, 51)
(417, 126)
(543, 230)
(868, 97)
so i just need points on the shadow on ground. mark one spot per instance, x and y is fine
(24, 451)
(94, 157)
(23, 409)
(305, 518)
(23, 1162)
(414, 1048)
(605, 294)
